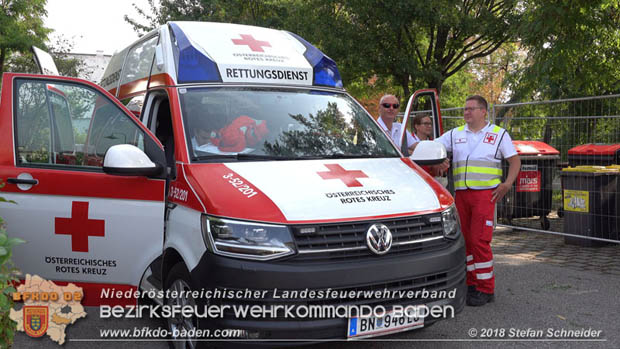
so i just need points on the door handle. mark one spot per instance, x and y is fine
(22, 181)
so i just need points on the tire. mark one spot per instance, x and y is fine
(178, 279)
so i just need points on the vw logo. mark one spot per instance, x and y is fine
(379, 238)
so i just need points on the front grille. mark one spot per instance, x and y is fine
(388, 294)
(343, 241)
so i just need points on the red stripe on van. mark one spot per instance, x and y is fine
(133, 88)
(162, 79)
(225, 194)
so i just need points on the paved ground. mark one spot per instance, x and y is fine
(548, 248)
(542, 284)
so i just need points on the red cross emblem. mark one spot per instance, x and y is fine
(255, 45)
(347, 177)
(79, 226)
(490, 138)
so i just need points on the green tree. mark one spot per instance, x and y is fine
(418, 43)
(24, 62)
(573, 49)
(407, 44)
(265, 13)
(8, 275)
(456, 88)
(21, 26)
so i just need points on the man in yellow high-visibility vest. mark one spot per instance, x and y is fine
(477, 151)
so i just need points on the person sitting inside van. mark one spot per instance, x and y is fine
(202, 132)
(239, 136)
(242, 133)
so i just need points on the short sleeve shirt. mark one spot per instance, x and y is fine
(506, 148)
(396, 131)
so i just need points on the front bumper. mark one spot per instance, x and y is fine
(438, 270)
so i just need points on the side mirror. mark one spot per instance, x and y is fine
(429, 153)
(129, 160)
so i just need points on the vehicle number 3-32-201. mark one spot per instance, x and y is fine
(244, 188)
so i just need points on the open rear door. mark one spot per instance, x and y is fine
(45, 61)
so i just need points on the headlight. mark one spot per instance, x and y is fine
(451, 223)
(246, 240)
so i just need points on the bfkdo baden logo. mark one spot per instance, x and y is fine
(47, 308)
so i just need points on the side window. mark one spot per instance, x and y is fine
(155, 69)
(110, 126)
(33, 124)
(134, 104)
(138, 62)
(68, 125)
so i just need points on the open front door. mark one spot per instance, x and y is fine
(45, 61)
(80, 224)
(422, 119)
(423, 106)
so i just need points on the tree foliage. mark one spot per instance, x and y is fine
(21, 26)
(573, 49)
(418, 43)
(23, 62)
(8, 275)
(266, 13)
(511, 49)
(410, 43)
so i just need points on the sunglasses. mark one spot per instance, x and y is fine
(387, 105)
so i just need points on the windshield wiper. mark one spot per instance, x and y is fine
(265, 157)
(243, 157)
(214, 156)
(353, 156)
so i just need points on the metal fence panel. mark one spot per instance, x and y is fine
(545, 198)
(582, 203)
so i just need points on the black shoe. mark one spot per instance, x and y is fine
(478, 298)
(470, 290)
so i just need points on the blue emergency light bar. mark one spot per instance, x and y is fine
(193, 66)
(325, 70)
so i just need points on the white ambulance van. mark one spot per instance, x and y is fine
(249, 174)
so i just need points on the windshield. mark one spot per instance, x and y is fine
(252, 123)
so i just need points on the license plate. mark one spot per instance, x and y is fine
(370, 326)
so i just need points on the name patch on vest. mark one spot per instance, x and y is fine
(490, 138)
(460, 140)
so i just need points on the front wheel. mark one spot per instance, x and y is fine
(179, 284)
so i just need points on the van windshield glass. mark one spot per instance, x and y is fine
(278, 124)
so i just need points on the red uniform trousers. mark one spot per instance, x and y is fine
(476, 211)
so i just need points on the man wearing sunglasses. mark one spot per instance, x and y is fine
(477, 151)
(388, 109)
